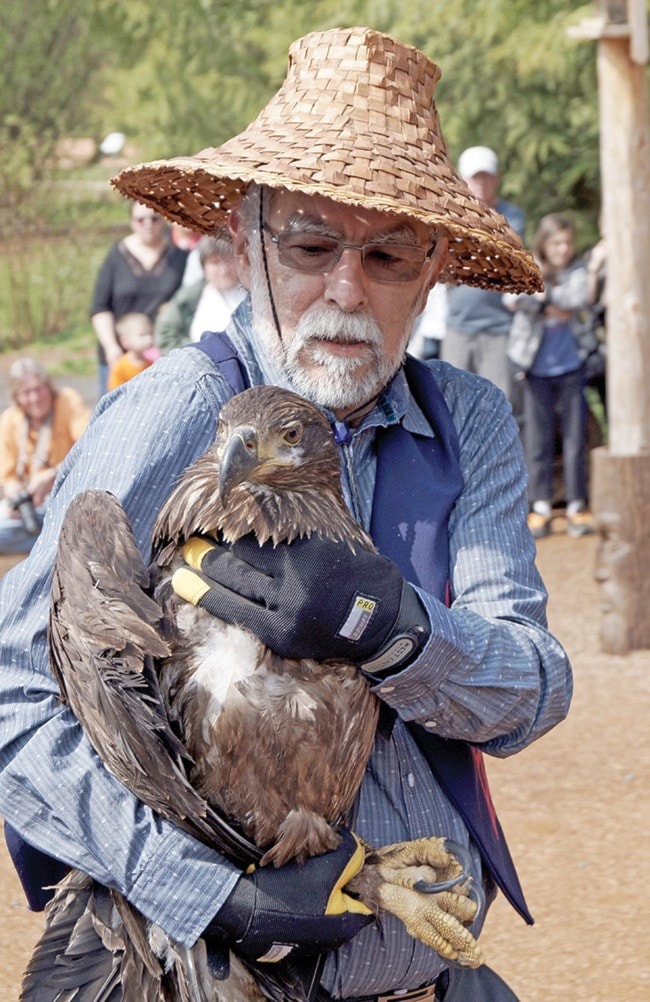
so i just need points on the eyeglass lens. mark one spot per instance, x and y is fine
(383, 262)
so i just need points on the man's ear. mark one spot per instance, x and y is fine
(438, 260)
(435, 265)
(240, 248)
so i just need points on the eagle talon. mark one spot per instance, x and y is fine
(476, 893)
(400, 879)
(464, 859)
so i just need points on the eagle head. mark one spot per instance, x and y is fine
(274, 470)
(272, 441)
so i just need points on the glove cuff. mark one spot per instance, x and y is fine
(232, 921)
(409, 634)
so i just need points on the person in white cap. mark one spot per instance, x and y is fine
(477, 321)
(345, 209)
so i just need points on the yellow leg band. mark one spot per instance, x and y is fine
(189, 585)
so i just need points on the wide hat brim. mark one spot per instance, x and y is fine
(354, 121)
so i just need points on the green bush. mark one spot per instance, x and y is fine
(49, 257)
(46, 284)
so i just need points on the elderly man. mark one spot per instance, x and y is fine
(345, 210)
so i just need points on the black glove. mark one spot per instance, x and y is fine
(312, 598)
(297, 906)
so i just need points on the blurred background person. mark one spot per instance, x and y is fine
(478, 322)
(36, 433)
(550, 340)
(135, 333)
(208, 304)
(596, 364)
(188, 240)
(138, 275)
(430, 326)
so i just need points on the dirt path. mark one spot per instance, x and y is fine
(576, 811)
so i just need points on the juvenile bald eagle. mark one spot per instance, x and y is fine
(254, 754)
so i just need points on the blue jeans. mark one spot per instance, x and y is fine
(545, 399)
(102, 374)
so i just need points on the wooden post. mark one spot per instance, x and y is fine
(620, 498)
(625, 174)
(620, 493)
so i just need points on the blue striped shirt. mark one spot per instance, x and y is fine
(490, 672)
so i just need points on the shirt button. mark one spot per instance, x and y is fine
(430, 724)
(388, 688)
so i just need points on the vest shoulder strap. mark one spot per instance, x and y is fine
(429, 398)
(222, 352)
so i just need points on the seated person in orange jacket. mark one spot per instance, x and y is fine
(36, 433)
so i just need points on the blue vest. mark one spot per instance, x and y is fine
(417, 483)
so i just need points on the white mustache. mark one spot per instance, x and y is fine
(334, 325)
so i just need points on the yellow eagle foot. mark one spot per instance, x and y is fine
(426, 884)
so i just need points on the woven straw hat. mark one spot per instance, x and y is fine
(355, 120)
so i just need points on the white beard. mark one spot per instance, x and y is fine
(332, 381)
(337, 381)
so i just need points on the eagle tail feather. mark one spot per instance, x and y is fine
(301, 835)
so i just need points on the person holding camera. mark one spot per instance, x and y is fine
(36, 433)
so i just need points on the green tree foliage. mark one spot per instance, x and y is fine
(51, 63)
(193, 72)
(196, 71)
(514, 80)
(179, 75)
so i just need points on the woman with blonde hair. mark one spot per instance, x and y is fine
(36, 433)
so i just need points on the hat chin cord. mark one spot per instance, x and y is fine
(267, 276)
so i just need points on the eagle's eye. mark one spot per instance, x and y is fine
(293, 434)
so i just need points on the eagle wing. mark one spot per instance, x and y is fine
(104, 633)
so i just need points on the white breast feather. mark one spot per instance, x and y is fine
(224, 656)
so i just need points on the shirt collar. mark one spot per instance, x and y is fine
(396, 405)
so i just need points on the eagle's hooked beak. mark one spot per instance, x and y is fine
(239, 459)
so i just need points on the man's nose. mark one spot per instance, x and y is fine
(345, 284)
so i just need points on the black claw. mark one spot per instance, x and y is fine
(477, 894)
(462, 854)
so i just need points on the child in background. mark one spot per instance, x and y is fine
(135, 333)
(550, 339)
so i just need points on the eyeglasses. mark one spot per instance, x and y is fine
(382, 262)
